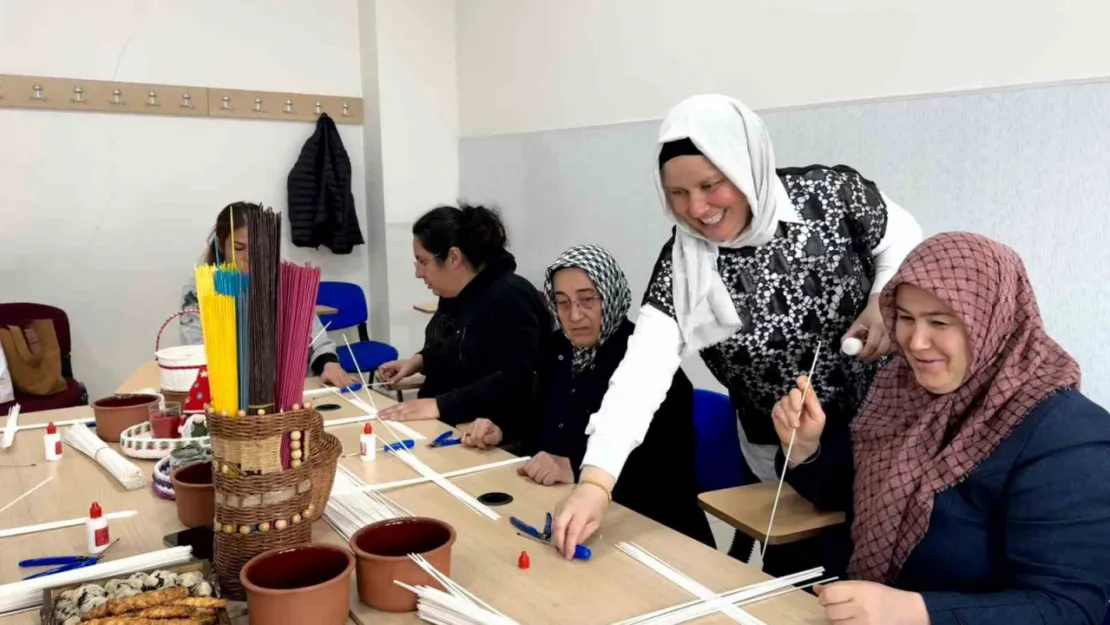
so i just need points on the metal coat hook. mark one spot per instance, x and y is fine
(152, 98)
(225, 103)
(78, 95)
(258, 105)
(289, 106)
(346, 109)
(319, 107)
(38, 93)
(117, 96)
(186, 101)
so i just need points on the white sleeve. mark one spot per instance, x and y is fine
(903, 233)
(636, 390)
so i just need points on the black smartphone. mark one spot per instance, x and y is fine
(199, 538)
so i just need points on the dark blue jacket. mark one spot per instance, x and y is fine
(659, 480)
(1025, 539)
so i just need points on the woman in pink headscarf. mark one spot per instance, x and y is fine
(978, 482)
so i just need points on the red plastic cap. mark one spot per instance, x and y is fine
(366, 429)
(524, 561)
(51, 428)
(95, 511)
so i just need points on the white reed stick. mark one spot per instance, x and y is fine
(27, 593)
(789, 450)
(33, 489)
(83, 440)
(450, 474)
(10, 427)
(456, 606)
(688, 584)
(350, 508)
(371, 413)
(43, 426)
(57, 525)
(321, 333)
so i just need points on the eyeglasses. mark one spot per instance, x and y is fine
(589, 302)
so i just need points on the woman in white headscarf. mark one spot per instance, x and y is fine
(765, 265)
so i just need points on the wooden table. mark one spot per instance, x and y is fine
(427, 307)
(748, 509)
(609, 588)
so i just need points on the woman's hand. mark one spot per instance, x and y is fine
(579, 515)
(396, 370)
(482, 433)
(805, 424)
(870, 329)
(334, 375)
(548, 470)
(415, 410)
(868, 603)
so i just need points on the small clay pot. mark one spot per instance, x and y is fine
(303, 584)
(195, 494)
(116, 413)
(382, 549)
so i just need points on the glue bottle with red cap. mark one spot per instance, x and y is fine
(52, 443)
(367, 443)
(96, 530)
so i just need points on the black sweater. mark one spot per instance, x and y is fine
(482, 348)
(659, 480)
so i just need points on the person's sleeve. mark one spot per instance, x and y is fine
(1056, 547)
(636, 391)
(512, 362)
(903, 233)
(189, 323)
(322, 349)
(826, 479)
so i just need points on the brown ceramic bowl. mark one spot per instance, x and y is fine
(116, 413)
(195, 494)
(382, 549)
(304, 584)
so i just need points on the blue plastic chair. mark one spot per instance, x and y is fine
(720, 462)
(350, 301)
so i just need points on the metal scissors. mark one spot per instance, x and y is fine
(445, 440)
(581, 552)
(67, 563)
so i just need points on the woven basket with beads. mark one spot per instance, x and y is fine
(260, 506)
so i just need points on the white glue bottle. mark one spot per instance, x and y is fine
(52, 443)
(96, 530)
(367, 443)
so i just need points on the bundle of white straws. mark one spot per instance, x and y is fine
(350, 507)
(456, 606)
(81, 438)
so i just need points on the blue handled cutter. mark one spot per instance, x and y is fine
(445, 440)
(581, 552)
(67, 563)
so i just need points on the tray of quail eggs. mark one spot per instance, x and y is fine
(71, 604)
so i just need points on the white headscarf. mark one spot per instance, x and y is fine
(734, 138)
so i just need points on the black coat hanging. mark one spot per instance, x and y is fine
(321, 205)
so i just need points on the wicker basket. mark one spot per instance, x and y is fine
(259, 506)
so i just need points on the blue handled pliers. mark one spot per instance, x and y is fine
(67, 563)
(445, 440)
(581, 552)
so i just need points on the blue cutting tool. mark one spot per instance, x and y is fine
(67, 563)
(445, 440)
(581, 552)
(405, 444)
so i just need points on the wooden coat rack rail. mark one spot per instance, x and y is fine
(75, 94)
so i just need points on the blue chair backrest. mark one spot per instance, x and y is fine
(720, 463)
(345, 297)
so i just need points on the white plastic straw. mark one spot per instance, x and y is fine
(82, 439)
(350, 508)
(43, 426)
(450, 474)
(369, 414)
(56, 525)
(456, 606)
(10, 427)
(33, 489)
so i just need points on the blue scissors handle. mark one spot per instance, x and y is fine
(53, 561)
(405, 444)
(445, 440)
(66, 567)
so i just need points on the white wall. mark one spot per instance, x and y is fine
(105, 215)
(529, 65)
(411, 65)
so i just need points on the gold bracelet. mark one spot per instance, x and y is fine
(608, 493)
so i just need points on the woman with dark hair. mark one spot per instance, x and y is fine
(229, 240)
(482, 346)
(591, 299)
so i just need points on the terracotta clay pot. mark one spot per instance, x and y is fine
(116, 413)
(303, 584)
(195, 494)
(382, 549)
